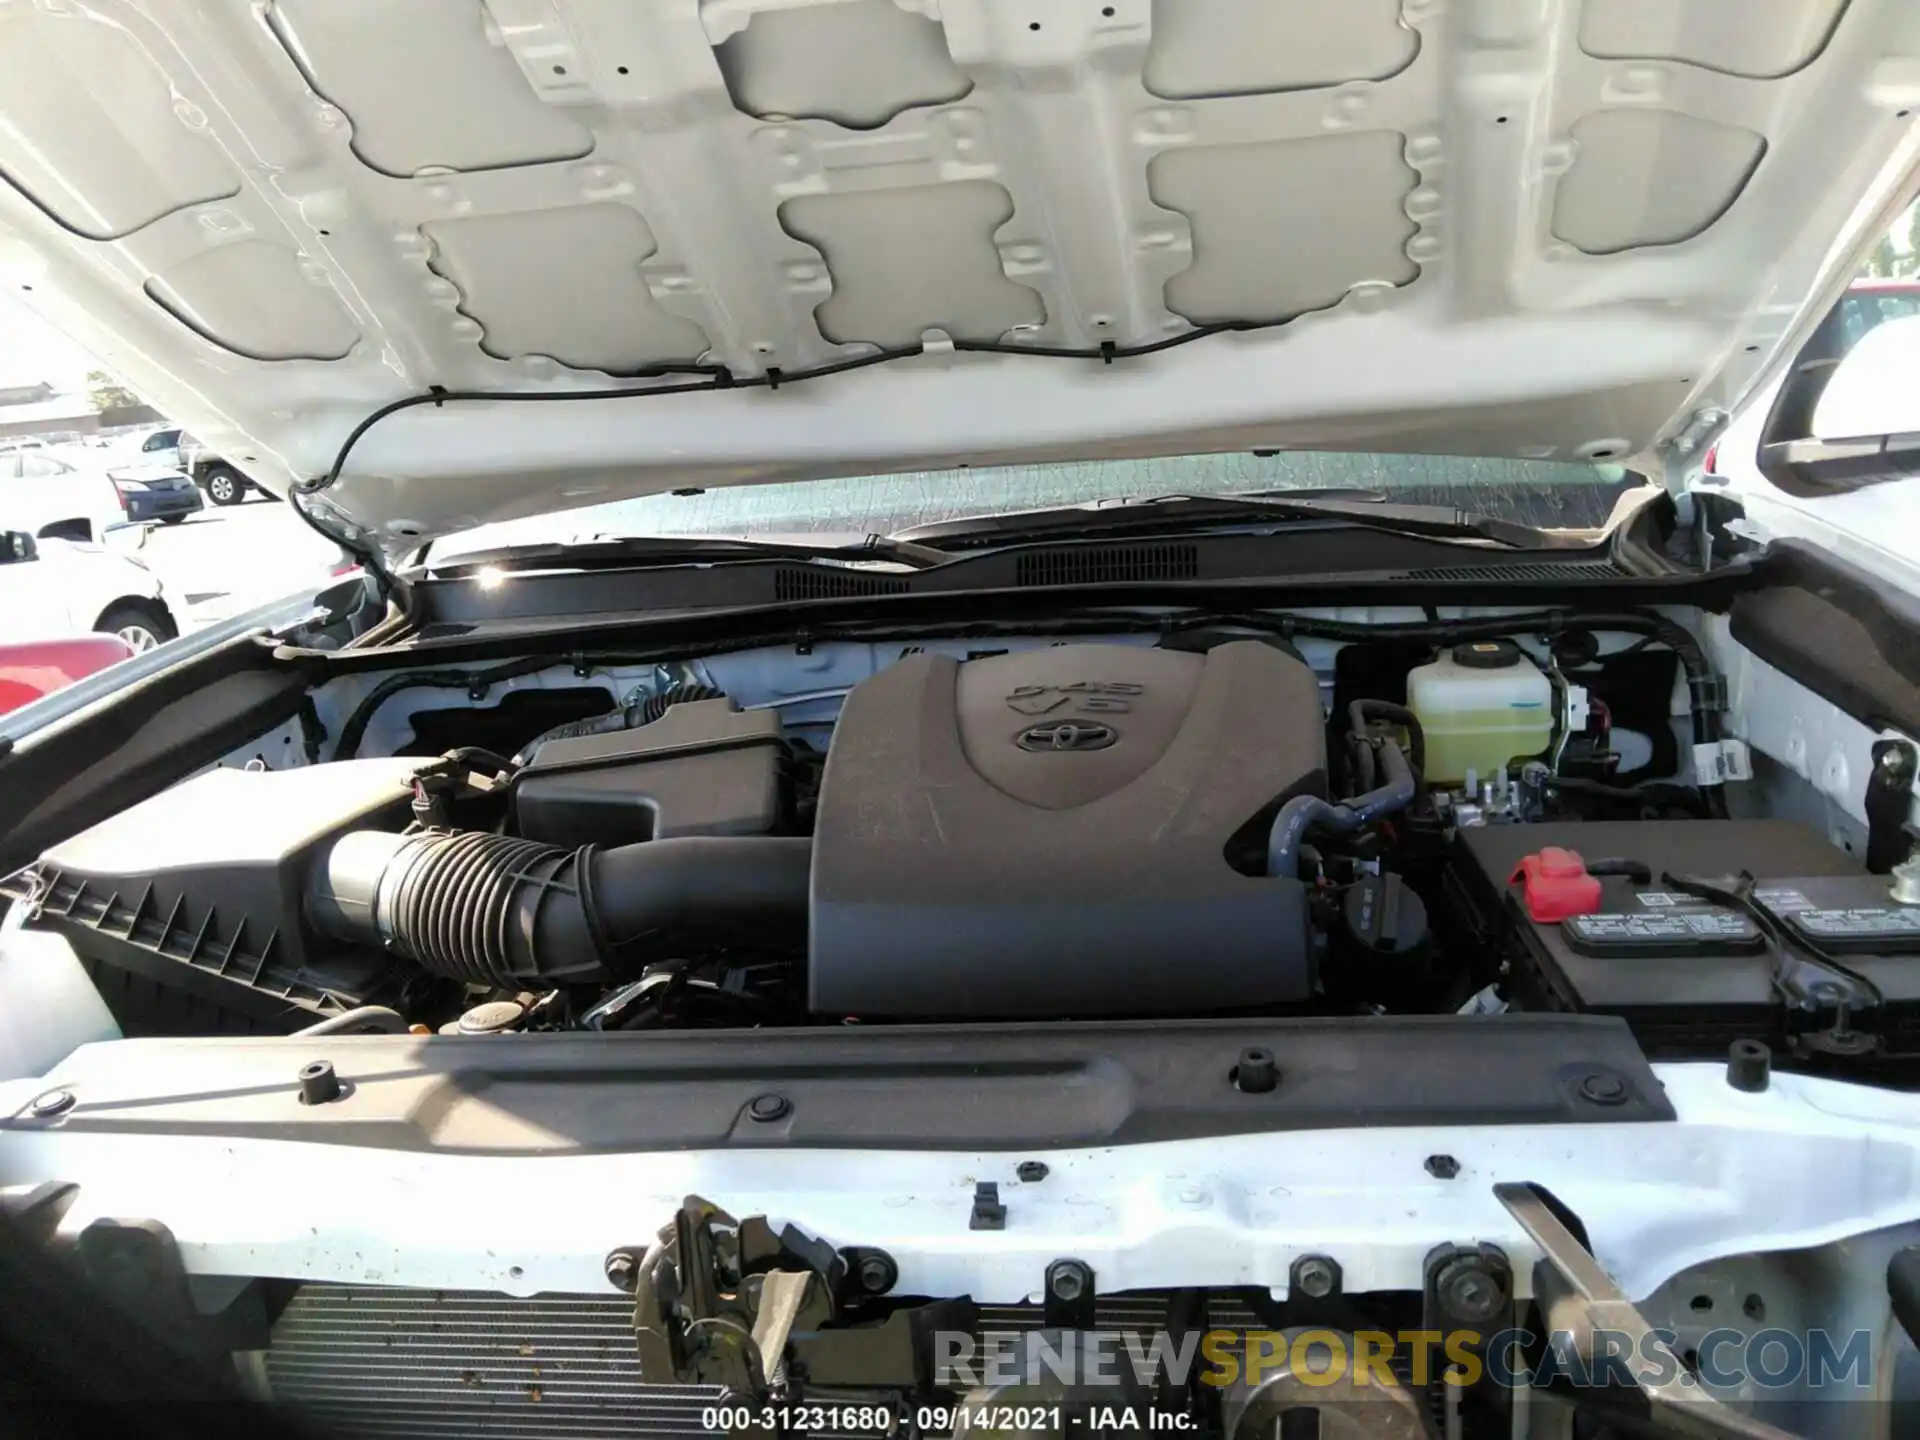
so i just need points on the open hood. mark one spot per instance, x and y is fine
(1553, 229)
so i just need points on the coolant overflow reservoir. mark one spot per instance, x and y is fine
(1482, 705)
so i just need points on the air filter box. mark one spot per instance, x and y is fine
(703, 768)
(198, 891)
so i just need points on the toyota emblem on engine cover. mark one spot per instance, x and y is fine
(1067, 735)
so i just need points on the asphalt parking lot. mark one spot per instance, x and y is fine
(225, 560)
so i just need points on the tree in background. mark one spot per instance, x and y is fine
(1893, 261)
(108, 393)
(1884, 263)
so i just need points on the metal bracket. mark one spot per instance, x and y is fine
(719, 1301)
(1579, 1301)
(782, 1295)
(1680, 454)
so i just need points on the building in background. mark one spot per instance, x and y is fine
(52, 390)
(43, 410)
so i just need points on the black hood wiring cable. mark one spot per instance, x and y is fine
(719, 377)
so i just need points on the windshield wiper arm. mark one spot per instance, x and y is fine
(1162, 512)
(612, 552)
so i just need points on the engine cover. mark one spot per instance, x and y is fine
(1045, 834)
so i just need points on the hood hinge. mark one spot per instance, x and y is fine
(352, 541)
(1681, 456)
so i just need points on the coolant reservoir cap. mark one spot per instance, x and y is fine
(492, 1017)
(1487, 655)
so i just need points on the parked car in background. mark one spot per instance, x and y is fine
(161, 447)
(54, 589)
(177, 450)
(81, 494)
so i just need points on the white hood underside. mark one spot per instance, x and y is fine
(1555, 229)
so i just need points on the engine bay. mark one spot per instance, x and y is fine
(1438, 817)
(1294, 974)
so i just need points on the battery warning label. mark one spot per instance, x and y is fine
(1682, 925)
(1850, 924)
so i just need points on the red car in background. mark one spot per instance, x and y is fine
(32, 668)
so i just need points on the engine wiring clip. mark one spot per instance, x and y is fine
(774, 1316)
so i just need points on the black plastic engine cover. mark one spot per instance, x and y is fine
(1044, 834)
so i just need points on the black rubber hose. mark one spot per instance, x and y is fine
(1310, 812)
(499, 911)
(628, 717)
(1361, 711)
(1362, 762)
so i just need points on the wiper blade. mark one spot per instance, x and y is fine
(644, 550)
(1165, 512)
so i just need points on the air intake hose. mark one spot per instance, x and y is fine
(495, 910)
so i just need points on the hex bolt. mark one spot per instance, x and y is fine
(1068, 1280)
(622, 1270)
(1256, 1074)
(876, 1273)
(1315, 1276)
(1601, 1089)
(318, 1083)
(1469, 1291)
(53, 1103)
(1442, 1167)
(1032, 1172)
(768, 1108)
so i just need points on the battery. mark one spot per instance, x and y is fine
(1690, 975)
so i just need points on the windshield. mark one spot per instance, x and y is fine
(1546, 494)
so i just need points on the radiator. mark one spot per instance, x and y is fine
(371, 1361)
(392, 1362)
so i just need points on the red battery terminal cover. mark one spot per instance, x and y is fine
(1556, 885)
